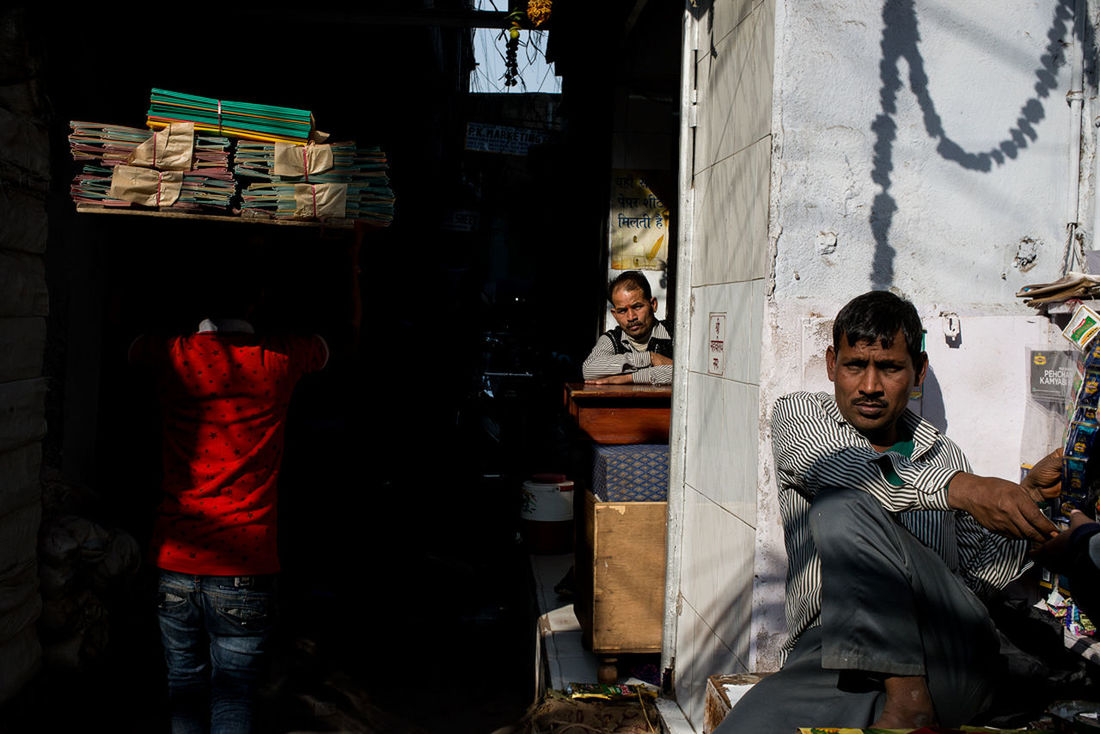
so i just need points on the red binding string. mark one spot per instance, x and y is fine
(305, 163)
(160, 177)
(219, 117)
(154, 149)
(313, 190)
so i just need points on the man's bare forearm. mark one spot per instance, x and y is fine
(1002, 506)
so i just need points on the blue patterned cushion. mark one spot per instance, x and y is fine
(633, 473)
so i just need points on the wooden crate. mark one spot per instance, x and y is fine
(717, 703)
(620, 570)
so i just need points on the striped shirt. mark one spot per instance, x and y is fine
(604, 361)
(815, 448)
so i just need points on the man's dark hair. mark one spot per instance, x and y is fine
(877, 316)
(632, 280)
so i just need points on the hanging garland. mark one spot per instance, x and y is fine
(511, 49)
(537, 13)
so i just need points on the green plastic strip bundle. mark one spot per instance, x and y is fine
(236, 119)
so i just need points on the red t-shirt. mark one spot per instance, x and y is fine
(225, 398)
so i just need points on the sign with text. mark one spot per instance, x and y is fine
(460, 220)
(502, 138)
(1052, 372)
(639, 225)
(716, 342)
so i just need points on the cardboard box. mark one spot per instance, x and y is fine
(620, 575)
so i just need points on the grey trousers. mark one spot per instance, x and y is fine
(889, 606)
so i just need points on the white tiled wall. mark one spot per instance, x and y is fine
(729, 264)
(728, 15)
(707, 655)
(743, 305)
(691, 678)
(735, 80)
(722, 436)
(717, 573)
(731, 217)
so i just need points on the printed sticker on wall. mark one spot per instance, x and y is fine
(716, 339)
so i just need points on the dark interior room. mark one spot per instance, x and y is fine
(406, 600)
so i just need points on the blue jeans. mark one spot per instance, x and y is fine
(215, 631)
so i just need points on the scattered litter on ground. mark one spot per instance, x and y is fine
(557, 713)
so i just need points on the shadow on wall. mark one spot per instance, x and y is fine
(900, 37)
(699, 11)
(932, 407)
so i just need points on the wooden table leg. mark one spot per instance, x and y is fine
(608, 670)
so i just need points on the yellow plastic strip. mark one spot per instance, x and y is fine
(248, 134)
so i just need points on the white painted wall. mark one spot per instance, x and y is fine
(962, 203)
(842, 147)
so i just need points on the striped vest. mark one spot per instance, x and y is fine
(656, 344)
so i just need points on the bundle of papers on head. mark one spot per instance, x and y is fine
(184, 161)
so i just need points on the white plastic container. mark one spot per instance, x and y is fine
(547, 514)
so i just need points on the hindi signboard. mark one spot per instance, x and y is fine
(639, 225)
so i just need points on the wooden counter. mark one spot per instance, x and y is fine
(621, 414)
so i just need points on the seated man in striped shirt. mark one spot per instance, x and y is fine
(639, 349)
(890, 542)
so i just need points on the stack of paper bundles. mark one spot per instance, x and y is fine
(192, 170)
(197, 189)
(340, 180)
(113, 144)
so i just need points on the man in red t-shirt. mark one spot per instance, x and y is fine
(224, 393)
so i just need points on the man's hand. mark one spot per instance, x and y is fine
(1044, 481)
(623, 379)
(1002, 506)
(659, 360)
(1054, 553)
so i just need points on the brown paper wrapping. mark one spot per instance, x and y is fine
(170, 149)
(301, 160)
(146, 186)
(321, 200)
(315, 135)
